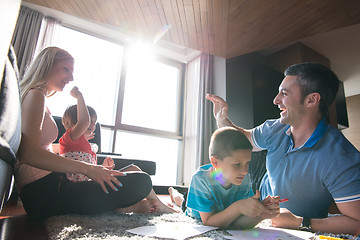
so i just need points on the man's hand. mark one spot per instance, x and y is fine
(220, 111)
(286, 219)
(220, 107)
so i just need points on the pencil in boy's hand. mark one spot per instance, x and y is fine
(280, 201)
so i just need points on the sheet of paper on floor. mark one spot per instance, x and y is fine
(174, 230)
(269, 233)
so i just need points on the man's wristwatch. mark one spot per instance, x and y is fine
(305, 224)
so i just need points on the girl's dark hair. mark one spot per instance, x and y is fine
(226, 140)
(314, 77)
(69, 118)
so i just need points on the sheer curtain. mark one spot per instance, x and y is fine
(48, 33)
(32, 33)
(25, 36)
(198, 121)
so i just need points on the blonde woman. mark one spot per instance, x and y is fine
(40, 174)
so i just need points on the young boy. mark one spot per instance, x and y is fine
(220, 193)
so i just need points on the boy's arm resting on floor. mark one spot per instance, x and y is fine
(245, 222)
(245, 213)
(272, 210)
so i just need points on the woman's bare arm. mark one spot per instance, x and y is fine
(31, 153)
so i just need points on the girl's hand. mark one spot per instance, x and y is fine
(109, 163)
(220, 107)
(75, 92)
(92, 135)
(102, 175)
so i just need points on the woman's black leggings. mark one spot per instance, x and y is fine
(54, 195)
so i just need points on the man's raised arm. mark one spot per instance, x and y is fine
(220, 111)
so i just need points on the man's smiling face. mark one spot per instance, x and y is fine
(288, 101)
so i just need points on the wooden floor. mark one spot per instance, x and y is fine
(14, 224)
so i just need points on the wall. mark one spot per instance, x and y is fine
(353, 132)
(219, 74)
(250, 89)
(239, 90)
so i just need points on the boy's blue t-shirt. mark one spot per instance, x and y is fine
(207, 195)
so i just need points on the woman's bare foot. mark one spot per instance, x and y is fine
(175, 196)
(160, 207)
(143, 206)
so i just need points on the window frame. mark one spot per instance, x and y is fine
(118, 126)
(178, 135)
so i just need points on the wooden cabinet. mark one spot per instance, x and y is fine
(251, 87)
(252, 82)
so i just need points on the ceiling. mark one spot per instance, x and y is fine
(230, 28)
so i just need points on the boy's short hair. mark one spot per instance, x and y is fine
(69, 118)
(224, 141)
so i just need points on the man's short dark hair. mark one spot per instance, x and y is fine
(224, 141)
(314, 77)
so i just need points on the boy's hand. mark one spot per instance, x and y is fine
(271, 203)
(252, 207)
(75, 92)
(270, 200)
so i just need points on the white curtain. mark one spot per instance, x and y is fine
(25, 36)
(32, 33)
(198, 112)
(48, 33)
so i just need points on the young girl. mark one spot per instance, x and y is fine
(79, 121)
(40, 174)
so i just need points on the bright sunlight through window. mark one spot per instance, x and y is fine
(144, 99)
(149, 99)
(96, 73)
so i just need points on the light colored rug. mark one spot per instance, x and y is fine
(113, 225)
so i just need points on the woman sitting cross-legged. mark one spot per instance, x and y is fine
(40, 174)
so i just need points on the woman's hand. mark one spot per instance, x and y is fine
(102, 175)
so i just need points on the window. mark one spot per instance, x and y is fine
(138, 99)
(96, 73)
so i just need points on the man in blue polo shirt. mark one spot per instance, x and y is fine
(308, 161)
